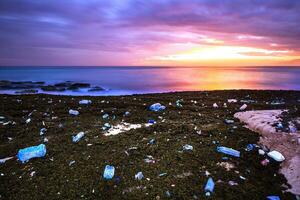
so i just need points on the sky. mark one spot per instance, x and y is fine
(150, 33)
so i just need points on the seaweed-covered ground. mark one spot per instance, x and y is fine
(196, 123)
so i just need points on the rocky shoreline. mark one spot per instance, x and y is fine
(161, 151)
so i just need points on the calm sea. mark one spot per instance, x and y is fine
(133, 80)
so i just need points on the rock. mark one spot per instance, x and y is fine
(277, 156)
(96, 88)
(52, 88)
(27, 91)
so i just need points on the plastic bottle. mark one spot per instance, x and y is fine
(73, 112)
(139, 176)
(209, 187)
(31, 152)
(228, 151)
(77, 137)
(109, 172)
(157, 107)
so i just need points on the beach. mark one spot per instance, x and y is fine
(155, 148)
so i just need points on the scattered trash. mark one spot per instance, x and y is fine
(162, 174)
(187, 147)
(46, 140)
(261, 152)
(152, 141)
(109, 172)
(42, 131)
(77, 137)
(105, 116)
(31, 152)
(139, 176)
(265, 162)
(232, 183)
(243, 178)
(106, 126)
(73, 112)
(215, 105)
(151, 121)
(250, 147)
(127, 113)
(279, 125)
(277, 156)
(229, 121)
(71, 162)
(85, 102)
(168, 194)
(243, 107)
(123, 127)
(157, 107)
(149, 159)
(209, 187)
(273, 197)
(231, 100)
(228, 151)
(3, 160)
(32, 173)
(28, 120)
(178, 103)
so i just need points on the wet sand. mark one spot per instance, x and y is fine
(197, 123)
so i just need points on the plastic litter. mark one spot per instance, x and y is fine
(157, 107)
(187, 147)
(229, 121)
(231, 100)
(243, 107)
(43, 131)
(28, 120)
(178, 103)
(139, 176)
(215, 105)
(151, 121)
(152, 141)
(77, 137)
(109, 172)
(105, 116)
(273, 197)
(168, 194)
(31, 152)
(228, 151)
(277, 156)
(3, 160)
(72, 162)
(106, 126)
(261, 152)
(127, 113)
(162, 174)
(73, 112)
(265, 162)
(209, 187)
(279, 125)
(85, 102)
(250, 147)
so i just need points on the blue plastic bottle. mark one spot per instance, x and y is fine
(209, 187)
(31, 152)
(228, 151)
(109, 172)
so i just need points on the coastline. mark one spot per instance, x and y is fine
(196, 123)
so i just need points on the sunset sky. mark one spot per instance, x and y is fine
(150, 32)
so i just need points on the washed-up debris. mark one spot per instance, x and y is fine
(32, 173)
(28, 120)
(265, 162)
(3, 160)
(152, 141)
(232, 183)
(261, 152)
(151, 121)
(184, 174)
(243, 178)
(157, 107)
(228, 166)
(279, 125)
(248, 101)
(127, 113)
(72, 162)
(168, 194)
(162, 174)
(229, 121)
(231, 100)
(228, 151)
(215, 105)
(106, 126)
(243, 107)
(31, 152)
(123, 127)
(250, 147)
(149, 159)
(277, 102)
(77, 137)
(178, 103)
(139, 176)
(209, 187)
(46, 140)
(277, 156)
(187, 147)
(43, 131)
(273, 197)
(85, 102)
(105, 116)
(73, 112)
(109, 172)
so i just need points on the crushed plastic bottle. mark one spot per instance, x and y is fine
(85, 102)
(209, 187)
(31, 152)
(105, 116)
(139, 176)
(43, 131)
(157, 107)
(77, 137)
(228, 151)
(73, 112)
(243, 107)
(276, 155)
(109, 172)
(187, 147)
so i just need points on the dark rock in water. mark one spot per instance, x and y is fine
(76, 86)
(96, 88)
(13, 85)
(52, 88)
(63, 84)
(29, 91)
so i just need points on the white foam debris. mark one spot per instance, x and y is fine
(231, 100)
(123, 127)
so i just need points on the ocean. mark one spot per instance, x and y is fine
(139, 80)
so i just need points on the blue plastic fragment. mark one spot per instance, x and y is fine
(250, 147)
(31, 152)
(157, 107)
(151, 121)
(209, 187)
(109, 172)
(273, 197)
(228, 151)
